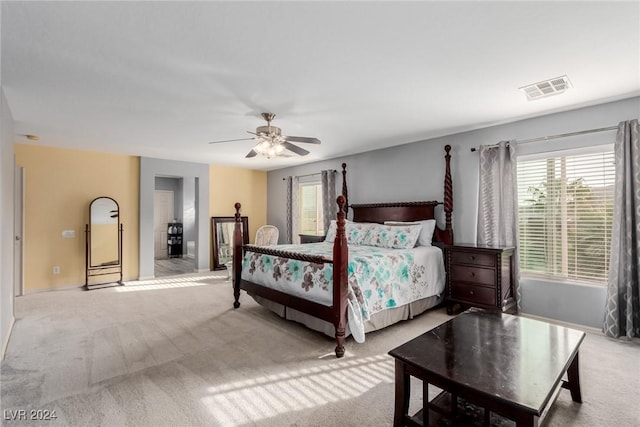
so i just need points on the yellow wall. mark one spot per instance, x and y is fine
(59, 185)
(228, 185)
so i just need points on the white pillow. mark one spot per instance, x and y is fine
(426, 233)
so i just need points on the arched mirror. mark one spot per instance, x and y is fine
(222, 238)
(103, 243)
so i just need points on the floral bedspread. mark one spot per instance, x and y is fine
(378, 278)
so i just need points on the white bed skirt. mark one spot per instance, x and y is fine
(378, 320)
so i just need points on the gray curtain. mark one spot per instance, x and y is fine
(498, 201)
(293, 207)
(329, 205)
(622, 314)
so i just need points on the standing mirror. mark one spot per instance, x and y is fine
(222, 239)
(103, 244)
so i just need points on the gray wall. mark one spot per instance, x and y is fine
(189, 212)
(149, 169)
(6, 222)
(416, 171)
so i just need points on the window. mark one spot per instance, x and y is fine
(311, 221)
(565, 214)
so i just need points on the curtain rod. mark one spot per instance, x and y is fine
(562, 135)
(310, 174)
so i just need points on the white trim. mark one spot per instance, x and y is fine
(565, 324)
(6, 343)
(52, 289)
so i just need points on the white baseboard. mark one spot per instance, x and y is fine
(6, 342)
(145, 278)
(202, 270)
(590, 329)
(51, 289)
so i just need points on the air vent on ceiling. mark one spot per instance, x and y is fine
(545, 88)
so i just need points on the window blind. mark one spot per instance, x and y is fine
(565, 215)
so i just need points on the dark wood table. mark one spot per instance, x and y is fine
(509, 365)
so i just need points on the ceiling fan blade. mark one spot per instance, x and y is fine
(230, 140)
(252, 153)
(303, 139)
(295, 148)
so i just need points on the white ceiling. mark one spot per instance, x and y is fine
(161, 79)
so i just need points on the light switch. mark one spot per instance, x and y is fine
(68, 234)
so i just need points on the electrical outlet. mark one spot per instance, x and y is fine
(56, 269)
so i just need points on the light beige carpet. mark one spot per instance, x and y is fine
(173, 352)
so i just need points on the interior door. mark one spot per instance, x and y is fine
(162, 215)
(18, 230)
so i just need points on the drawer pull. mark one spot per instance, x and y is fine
(471, 293)
(472, 257)
(473, 274)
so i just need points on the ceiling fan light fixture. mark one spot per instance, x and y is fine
(269, 141)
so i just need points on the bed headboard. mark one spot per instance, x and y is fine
(412, 211)
(401, 211)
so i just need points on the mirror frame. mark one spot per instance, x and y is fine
(215, 220)
(106, 269)
(92, 205)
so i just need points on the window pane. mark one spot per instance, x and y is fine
(311, 209)
(565, 215)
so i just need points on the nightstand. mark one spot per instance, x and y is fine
(309, 238)
(480, 276)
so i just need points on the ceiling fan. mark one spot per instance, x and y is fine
(271, 143)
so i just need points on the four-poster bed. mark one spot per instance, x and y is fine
(331, 268)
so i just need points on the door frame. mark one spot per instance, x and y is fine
(18, 230)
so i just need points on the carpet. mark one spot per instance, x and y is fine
(173, 352)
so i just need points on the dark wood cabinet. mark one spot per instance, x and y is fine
(309, 238)
(174, 240)
(480, 276)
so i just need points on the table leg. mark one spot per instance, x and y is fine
(403, 391)
(573, 375)
(425, 403)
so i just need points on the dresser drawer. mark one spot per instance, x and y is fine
(487, 260)
(474, 294)
(464, 273)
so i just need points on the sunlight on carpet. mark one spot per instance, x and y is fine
(167, 283)
(255, 399)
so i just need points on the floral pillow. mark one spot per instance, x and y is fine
(354, 231)
(393, 236)
(426, 233)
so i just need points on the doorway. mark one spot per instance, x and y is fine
(173, 226)
(195, 179)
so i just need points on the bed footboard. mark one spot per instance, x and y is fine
(336, 313)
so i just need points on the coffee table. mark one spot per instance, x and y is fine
(511, 366)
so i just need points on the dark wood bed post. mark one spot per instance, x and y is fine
(345, 193)
(448, 196)
(237, 256)
(340, 288)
